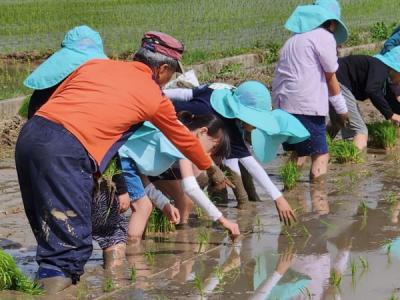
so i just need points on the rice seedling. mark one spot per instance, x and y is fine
(199, 212)
(199, 285)
(343, 151)
(158, 223)
(393, 297)
(353, 267)
(150, 257)
(289, 174)
(306, 231)
(132, 274)
(391, 197)
(364, 263)
(288, 235)
(336, 279)
(382, 135)
(108, 285)
(388, 246)
(364, 209)
(203, 238)
(12, 278)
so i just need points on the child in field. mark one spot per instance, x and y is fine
(365, 77)
(305, 82)
(246, 108)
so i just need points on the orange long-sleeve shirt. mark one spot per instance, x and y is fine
(101, 101)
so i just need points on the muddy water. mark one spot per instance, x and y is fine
(348, 226)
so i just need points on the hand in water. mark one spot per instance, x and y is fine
(172, 214)
(286, 213)
(124, 202)
(232, 227)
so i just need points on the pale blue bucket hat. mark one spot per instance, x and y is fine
(391, 58)
(250, 102)
(151, 151)
(265, 146)
(309, 17)
(80, 45)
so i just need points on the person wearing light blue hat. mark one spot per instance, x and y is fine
(245, 108)
(365, 77)
(305, 82)
(80, 45)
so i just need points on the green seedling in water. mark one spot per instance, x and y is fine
(158, 223)
(344, 152)
(203, 238)
(132, 274)
(12, 278)
(199, 285)
(199, 212)
(364, 209)
(108, 285)
(290, 175)
(364, 263)
(150, 257)
(335, 279)
(288, 235)
(382, 135)
(353, 266)
(306, 231)
(220, 275)
(388, 245)
(393, 297)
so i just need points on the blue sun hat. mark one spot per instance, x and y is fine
(391, 58)
(151, 151)
(309, 17)
(250, 102)
(80, 44)
(265, 146)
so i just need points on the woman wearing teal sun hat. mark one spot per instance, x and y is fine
(305, 82)
(245, 108)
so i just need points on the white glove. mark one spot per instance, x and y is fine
(339, 103)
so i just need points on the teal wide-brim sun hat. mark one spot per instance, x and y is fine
(151, 151)
(250, 102)
(391, 58)
(265, 146)
(80, 45)
(309, 17)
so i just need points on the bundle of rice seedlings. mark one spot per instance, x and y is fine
(289, 174)
(344, 152)
(382, 135)
(158, 223)
(12, 278)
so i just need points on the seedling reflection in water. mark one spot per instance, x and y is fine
(199, 285)
(132, 274)
(150, 257)
(364, 263)
(203, 238)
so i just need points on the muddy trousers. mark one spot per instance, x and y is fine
(55, 177)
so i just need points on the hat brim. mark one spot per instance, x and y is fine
(265, 146)
(223, 102)
(309, 17)
(59, 66)
(391, 58)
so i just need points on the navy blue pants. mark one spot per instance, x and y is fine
(55, 177)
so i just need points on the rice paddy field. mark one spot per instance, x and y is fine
(30, 30)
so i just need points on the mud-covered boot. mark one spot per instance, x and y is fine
(239, 190)
(248, 184)
(52, 280)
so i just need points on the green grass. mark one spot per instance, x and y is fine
(382, 135)
(342, 151)
(12, 278)
(289, 174)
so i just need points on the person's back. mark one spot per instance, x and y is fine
(299, 85)
(101, 100)
(359, 73)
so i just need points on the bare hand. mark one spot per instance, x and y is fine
(232, 227)
(286, 213)
(172, 213)
(395, 119)
(123, 202)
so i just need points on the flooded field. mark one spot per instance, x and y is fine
(346, 245)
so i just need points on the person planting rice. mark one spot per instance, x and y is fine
(246, 108)
(365, 77)
(305, 81)
(148, 152)
(74, 135)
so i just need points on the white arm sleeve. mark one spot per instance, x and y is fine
(340, 263)
(260, 176)
(156, 196)
(265, 288)
(193, 190)
(339, 103)
(179, 94)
